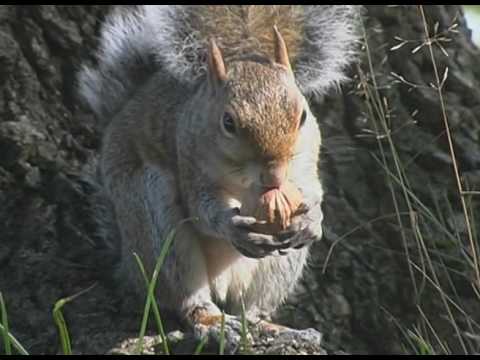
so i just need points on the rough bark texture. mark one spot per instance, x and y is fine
(47, 236)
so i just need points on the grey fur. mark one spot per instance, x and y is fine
(125, 60)
(137, 43)
(329, 46)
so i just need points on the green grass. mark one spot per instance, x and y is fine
(422, 346)
(200, 346)
(244, 333)
(9, 340)
(151, 300)
(62, 324)
(151, 294)
(156, 311)
(5, 331)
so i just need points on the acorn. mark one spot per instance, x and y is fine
(274, 208)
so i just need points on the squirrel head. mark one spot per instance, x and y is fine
(257, 112)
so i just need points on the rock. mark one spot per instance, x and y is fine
(289, 342)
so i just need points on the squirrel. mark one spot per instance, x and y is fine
(197, 105)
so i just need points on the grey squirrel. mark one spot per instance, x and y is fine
(199, 105)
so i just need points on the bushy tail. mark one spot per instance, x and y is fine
(125, 60)
(320, 40)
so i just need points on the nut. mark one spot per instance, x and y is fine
(274, 208)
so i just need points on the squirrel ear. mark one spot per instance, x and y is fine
(281, 53)
(216, 66)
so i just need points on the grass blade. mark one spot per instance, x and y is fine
(15, 343)
(6, 338)
(60, 320)
(62, 326)
(200, 346)
(244, 333)
(221, 349)
(151, 288)
(156, 311)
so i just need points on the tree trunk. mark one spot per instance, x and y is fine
(391, 193)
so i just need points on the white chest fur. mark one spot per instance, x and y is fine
(230, 273)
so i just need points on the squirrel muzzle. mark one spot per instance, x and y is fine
(274, 175)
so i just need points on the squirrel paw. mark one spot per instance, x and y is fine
(250, 244)
(305, 230)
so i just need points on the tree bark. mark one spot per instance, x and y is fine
(361, 291)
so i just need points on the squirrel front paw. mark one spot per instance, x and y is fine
(306, 228)
(238, 230)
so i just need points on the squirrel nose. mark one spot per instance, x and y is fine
(273, 176)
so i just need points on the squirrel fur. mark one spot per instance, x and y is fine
(198, 105)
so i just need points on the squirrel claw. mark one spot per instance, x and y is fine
(243, 221)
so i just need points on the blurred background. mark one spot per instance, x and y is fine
(472, 14)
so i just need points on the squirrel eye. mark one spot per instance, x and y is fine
(303, 118)
(228, 124)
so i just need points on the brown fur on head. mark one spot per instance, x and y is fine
(247, 29)
(260, 115)
(266, 108)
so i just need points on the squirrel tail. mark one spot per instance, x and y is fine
(321, 40)
(125, 59)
